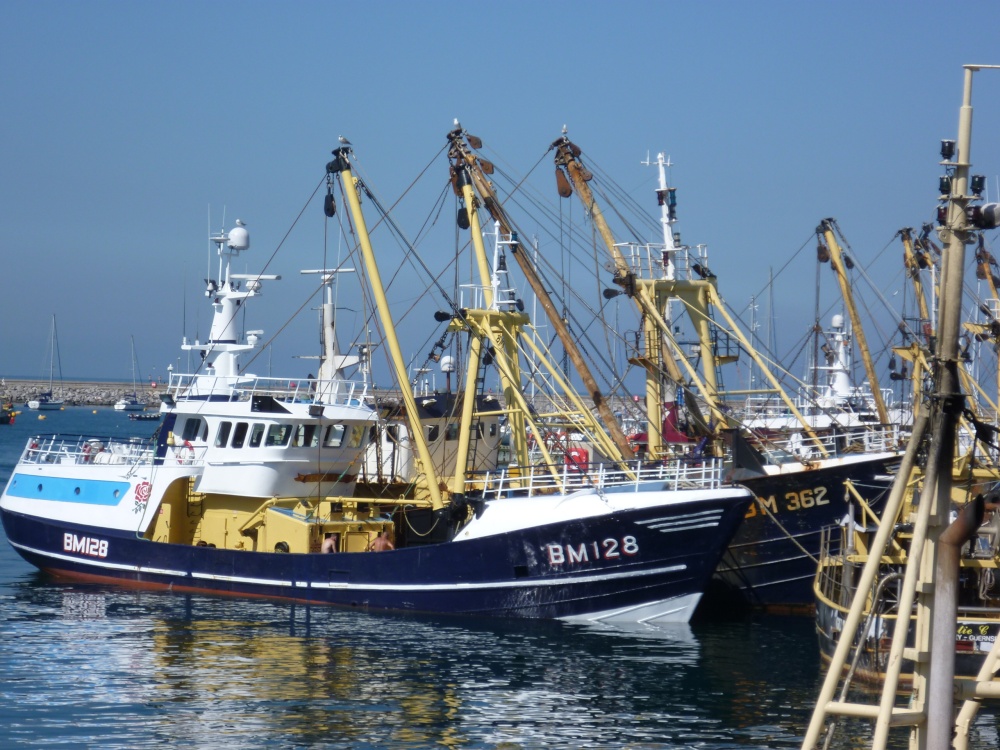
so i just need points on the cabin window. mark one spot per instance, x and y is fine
(306, 436)
(192, 429)
(355, 436)
(493, 429)
(373, 433)
(256, 435)
(278, 435)
(432, 433)
(334, 436)
(451, 432)
(222, 436)
(480, 429)
(240, 434)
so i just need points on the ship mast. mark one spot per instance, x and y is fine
(468, 172)
(651, 296)
(931, 577)
(825, 231)
(425, 468)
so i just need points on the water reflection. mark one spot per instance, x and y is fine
(108, 667)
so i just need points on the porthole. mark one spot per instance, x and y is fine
(76, 490)
(116, 493)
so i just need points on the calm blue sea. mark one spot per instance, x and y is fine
(94, 667)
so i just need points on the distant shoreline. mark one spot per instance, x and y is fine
(79, 392)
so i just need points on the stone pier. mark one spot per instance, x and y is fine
(78, 392)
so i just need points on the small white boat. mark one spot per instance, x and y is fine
(130, 401)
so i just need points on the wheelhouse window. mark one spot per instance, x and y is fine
(256, 435)
(222, 436)
(433, 431)
(355, 436)
(451, 432)
(278, 435)
(334, 436)
(240, 434)
(306, 436)
(193, 429)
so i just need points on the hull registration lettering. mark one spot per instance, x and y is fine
(85, 545)
(608, 549)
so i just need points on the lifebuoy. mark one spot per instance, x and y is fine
(185, 454)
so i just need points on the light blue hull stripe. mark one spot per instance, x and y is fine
(85, 491)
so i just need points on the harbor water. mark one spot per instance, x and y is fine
(90, 666)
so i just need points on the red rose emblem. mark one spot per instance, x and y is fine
(142, 492)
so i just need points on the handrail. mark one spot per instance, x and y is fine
(84, 449)
(244, 387)
(538, 480)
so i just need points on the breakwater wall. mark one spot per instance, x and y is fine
(78, 392)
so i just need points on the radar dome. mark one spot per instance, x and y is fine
(447, 364)
(239, 238)
(838, 321)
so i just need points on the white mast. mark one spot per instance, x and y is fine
(221, 352)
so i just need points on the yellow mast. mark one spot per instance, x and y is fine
(658, 337)
(837, 261)
(465, 160)
(915, 353)
(425, 467)
(698, 295)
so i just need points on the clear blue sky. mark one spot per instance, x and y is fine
(125, 123)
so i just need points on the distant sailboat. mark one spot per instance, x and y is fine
(47, 401)
(130, 401)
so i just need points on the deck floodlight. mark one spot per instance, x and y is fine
(315, 410)
(987, 216)
(442, 316)
(947, 149)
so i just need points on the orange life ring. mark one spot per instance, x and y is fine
(186, 453)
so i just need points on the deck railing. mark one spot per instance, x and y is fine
(245, 387)
(570, 477)
(85, 449)
(873, 439)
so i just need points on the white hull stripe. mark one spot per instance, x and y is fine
(520, 583)
(705, 520)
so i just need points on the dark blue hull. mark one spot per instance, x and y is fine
(581, 568)
(772, 559)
